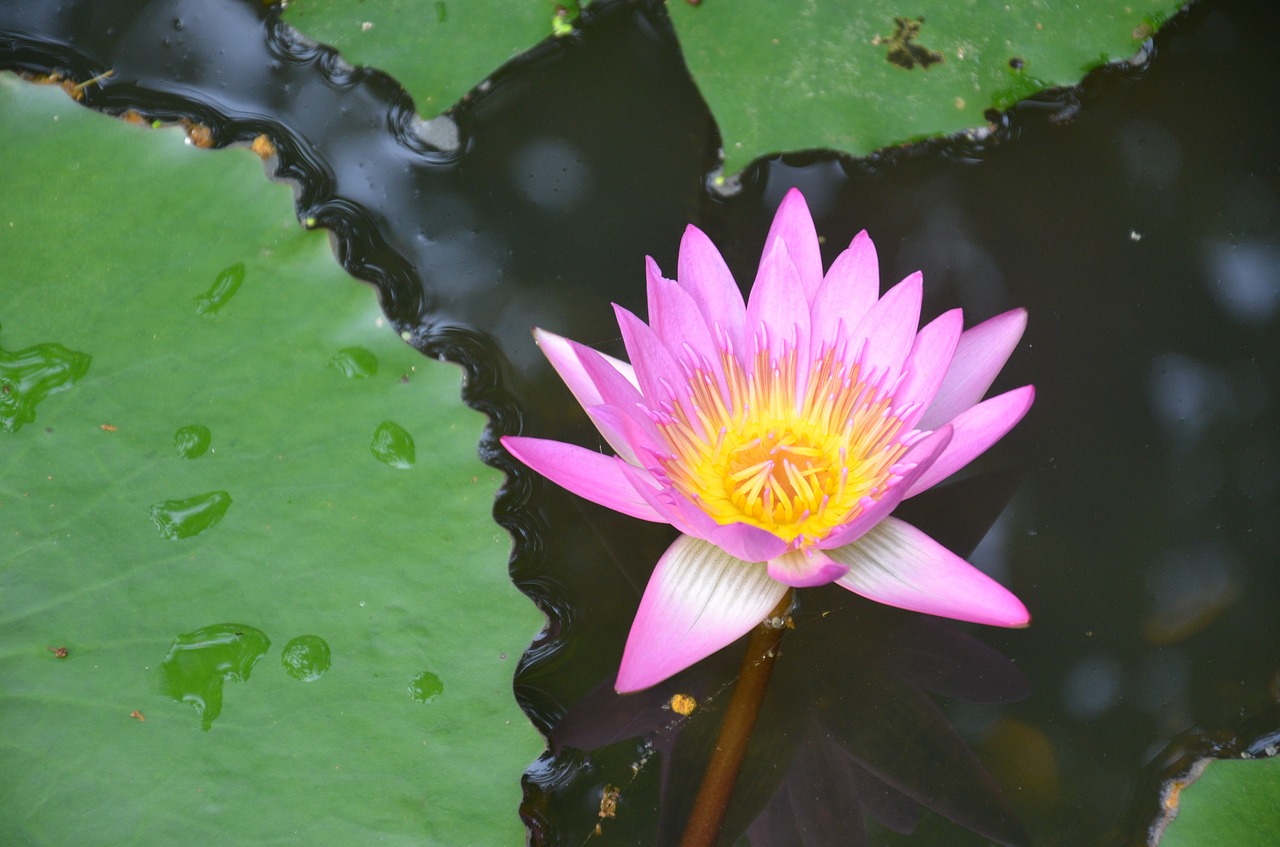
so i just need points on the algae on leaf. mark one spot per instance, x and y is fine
(216, 468)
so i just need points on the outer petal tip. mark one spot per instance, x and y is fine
(698, 600)
(898, 565)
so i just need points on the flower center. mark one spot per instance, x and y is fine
(797, 460)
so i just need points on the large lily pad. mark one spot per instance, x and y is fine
(1231, 801)
(858, 77)
(437, 50)
(851, 77)
(217, 601)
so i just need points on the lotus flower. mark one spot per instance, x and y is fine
(778, 435)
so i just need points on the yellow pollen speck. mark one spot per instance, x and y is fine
(683, 704)
(759, 449)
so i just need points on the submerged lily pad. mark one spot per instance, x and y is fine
(110, 233)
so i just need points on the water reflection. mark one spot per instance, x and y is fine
(1244, 279)
(1093, 685)
(847, 734)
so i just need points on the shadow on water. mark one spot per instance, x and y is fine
(1133, 510)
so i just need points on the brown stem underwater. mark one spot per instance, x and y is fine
(712, 802)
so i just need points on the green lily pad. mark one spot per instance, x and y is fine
(215, 603)
(850, 77)
(858, 77)
(1231, 801)
(437, 50)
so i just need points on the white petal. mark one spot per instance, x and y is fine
(698, 600)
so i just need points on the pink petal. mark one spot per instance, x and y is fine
(663, 501)
(804, 569)
(677, 320)
(793, 225)
(596, 381)
(588, 474)
(628, 431)
(918, 460)
(706, 277)
(976, 430)
(559, 352)
(778, 305)
(899, 565)
(698, 600)
(661, 380)
(743, 541)
(848, 292)
(890, 327)
(613, 385)
(927, 363)
(980, 355)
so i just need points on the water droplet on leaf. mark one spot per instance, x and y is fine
(392, 445)
(426, 687)
(192, 441)
(223, 289)
(189, 517)
(306, 658)
(199, 662)
(355, 362)
(28, 376)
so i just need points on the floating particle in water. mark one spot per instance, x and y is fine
(355, 362)
(392, 445)
(263, 146)
(30, 375)
(199, 662)
(306, 658)
(683, 704)
(192, 441)
(608, 805)
(189, 517)
(223, 289)
(426, 687)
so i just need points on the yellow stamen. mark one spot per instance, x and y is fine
(796, 463)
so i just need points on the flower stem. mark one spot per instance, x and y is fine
(712, 802)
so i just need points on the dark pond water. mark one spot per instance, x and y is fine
(1133, 511)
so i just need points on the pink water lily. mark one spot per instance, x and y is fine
(778, 435)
